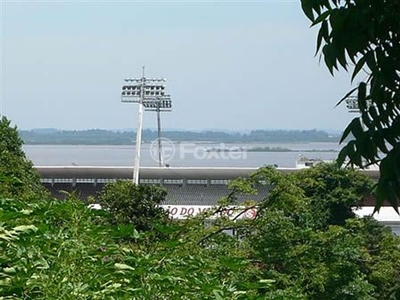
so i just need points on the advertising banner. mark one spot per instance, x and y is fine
(185, 211)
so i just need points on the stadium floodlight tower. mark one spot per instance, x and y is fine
(161, 104)
(141, 90)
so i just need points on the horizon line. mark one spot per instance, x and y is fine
(187, 130)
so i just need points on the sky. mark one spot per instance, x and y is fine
(229, 65)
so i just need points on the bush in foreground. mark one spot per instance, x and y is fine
(57, 250)
(137, 205)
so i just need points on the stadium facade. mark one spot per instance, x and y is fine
(189, 188)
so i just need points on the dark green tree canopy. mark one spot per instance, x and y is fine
(18, 178)
(307, 238)
(137, 205)
(364, 36)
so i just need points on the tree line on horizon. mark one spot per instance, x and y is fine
(109, 137)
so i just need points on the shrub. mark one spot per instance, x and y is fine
(133, 204)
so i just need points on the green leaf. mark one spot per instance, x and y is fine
(380, 142)
(218, 294)
(10, 270)
(342, 156)
(123, 267)
(330, 57)
(26, 228)
(267, 281)
(341, 56)
(370, 59)
(345, 97)
(361, 96)
(349, 129)
(359, 66)
(322, 34)
(307, 9)
(322, 17)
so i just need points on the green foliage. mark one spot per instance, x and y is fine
(334, 192)
(18, 178)
(307, 239)
(366, 36)
(53, 257)
(133, 204)
(58, 250)
(381, 256)
(321, 264)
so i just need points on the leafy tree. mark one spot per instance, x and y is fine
(327, 192)
(334, 192)
(17, 176)
(307, 238)
(365, 35)
(133, 204)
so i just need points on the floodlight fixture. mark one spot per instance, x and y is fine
(132, 91)
(162, 103)
(352, 104)
(147, 92)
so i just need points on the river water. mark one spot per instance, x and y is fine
(178, 154)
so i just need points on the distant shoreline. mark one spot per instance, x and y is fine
(107, 137)
(267, 149)
(247, 149)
